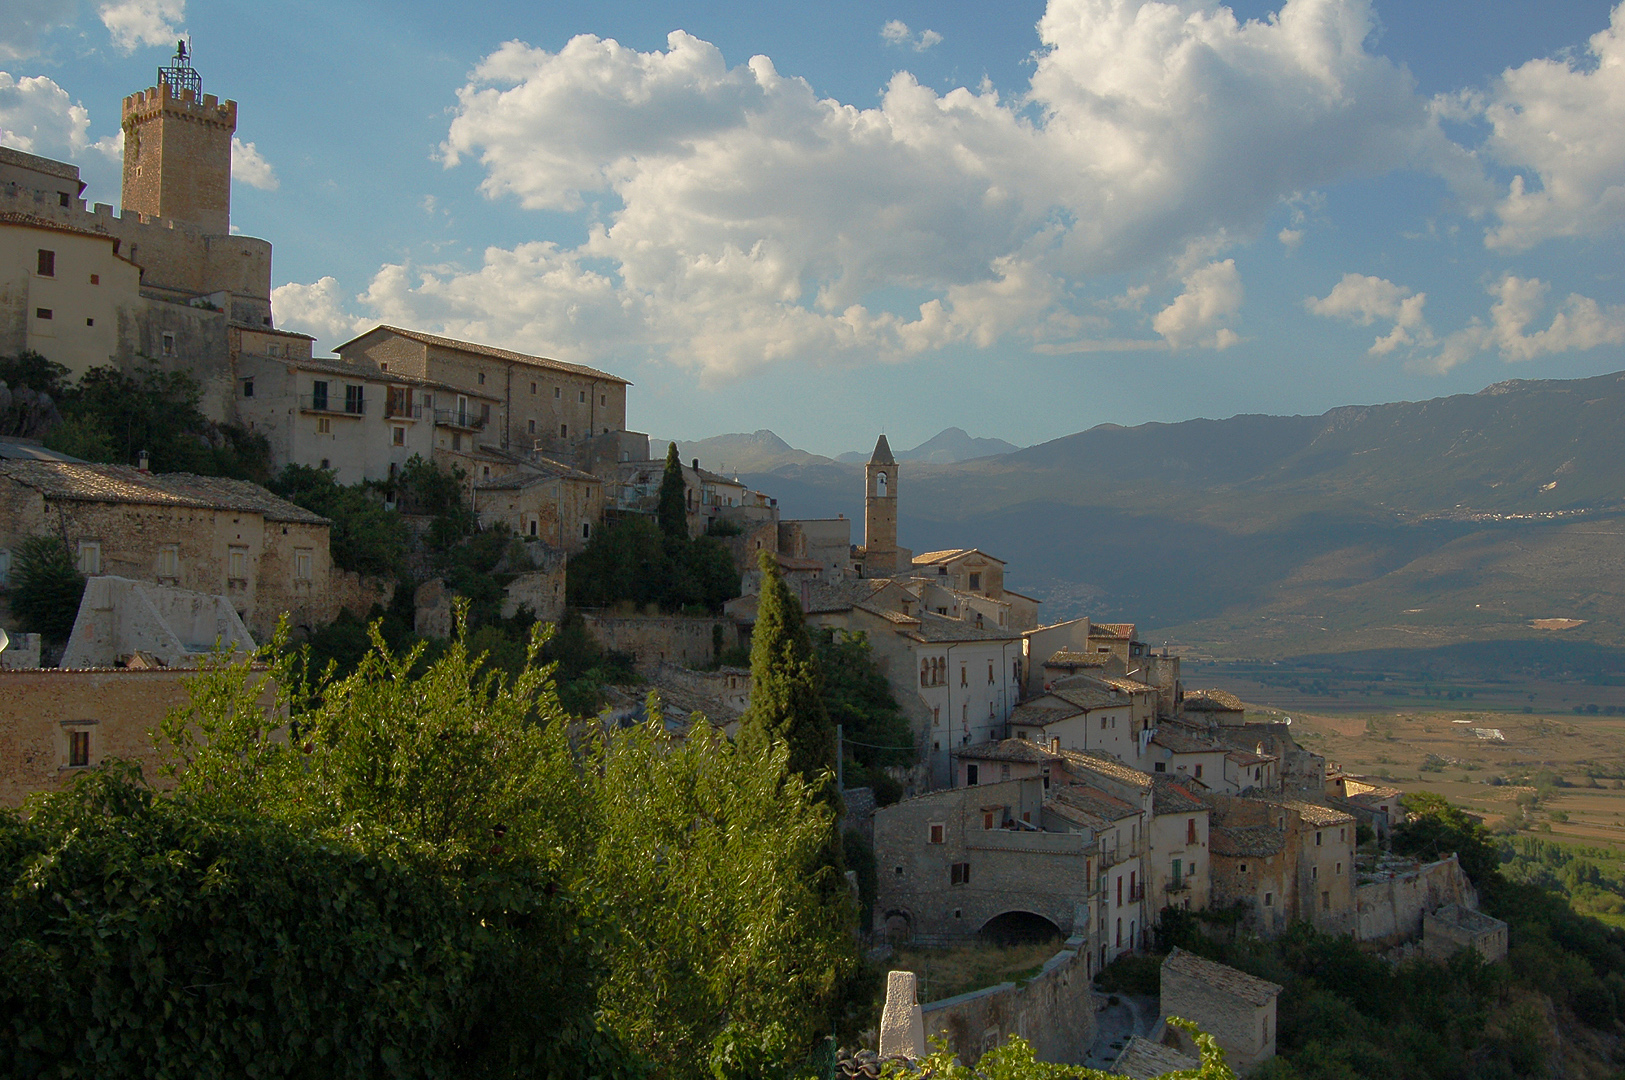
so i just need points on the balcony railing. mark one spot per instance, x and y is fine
(1178, 885)
(396, 411)
(459, 418)
(330, 404)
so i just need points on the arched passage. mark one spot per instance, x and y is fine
(899, 927)
(1018, 928)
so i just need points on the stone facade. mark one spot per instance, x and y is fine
(880, 553)
(558, 508)
(1453, 928)
(111, 711)
(1393, 898)
(1235, 1008)
(1317, 860)
(951, 862)
(1054, 1011)
(689, 641)
(177, 155)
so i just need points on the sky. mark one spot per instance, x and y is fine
(830, 220)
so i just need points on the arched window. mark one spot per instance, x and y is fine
(880, 485)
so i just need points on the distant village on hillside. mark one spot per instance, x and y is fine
(1068, 782)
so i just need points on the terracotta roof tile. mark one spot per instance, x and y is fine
(493, 352)
(1246, 841)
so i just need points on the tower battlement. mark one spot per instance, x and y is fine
(177, 149)
(210, 110)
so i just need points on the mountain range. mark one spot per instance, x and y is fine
(1412, 524)
(763, 451)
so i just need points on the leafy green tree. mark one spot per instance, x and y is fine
(83, 437)
(1015, 1060)
(859, 698)
(1434, 827)
(365, 537)
(46, 587)
(672, 509)
(786, 697)
(625, 561)
(33, 388)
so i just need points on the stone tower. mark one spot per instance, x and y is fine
(880, 512)
(177, 150)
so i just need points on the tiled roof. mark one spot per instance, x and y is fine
(364, 369)
(1122, 631)
(541, 470)
(841, 594)
(1168, 797)
(1181, 742)
(1102, 764)
(1069, 658)
(10, 217)
(1143, 1059)
(1087, 696)
(1247, 757)
(1127, 686)
(931, 558)
(83, 482)
(1252, 990)
(1041, 711)
(1312, 813)
(1104, 808)
(1213, 701)
(491, 351)
(17, 449)
(1020, 750)
(1246, 841)
(941, 628)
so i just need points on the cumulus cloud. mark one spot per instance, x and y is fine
(1561, 123)
(317, 309)
(736, 218)
(897, 32)
(1579, 323)
(248, 166)
(1212, 296)
(26, 21)
(1364, 299)
(134, 23)
(38, 116)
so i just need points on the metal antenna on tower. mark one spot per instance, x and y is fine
(180, 75)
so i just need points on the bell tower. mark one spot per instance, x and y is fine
(177, 149)
(880, 512)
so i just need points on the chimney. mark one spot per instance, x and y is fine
(143, 462)
(1055, 744)
(696, 464)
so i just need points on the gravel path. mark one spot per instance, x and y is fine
(1132, 1015)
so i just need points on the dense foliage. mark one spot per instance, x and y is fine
(859, 698)
(430, 858)
(46, 587)
(786, 695)
(629, 560)
(365, 537)
(671, 509)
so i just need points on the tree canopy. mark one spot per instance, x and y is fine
(786, 697)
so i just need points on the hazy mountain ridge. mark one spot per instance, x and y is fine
(946, 447)
(1273, 535)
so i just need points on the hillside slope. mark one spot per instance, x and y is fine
(1461, 518)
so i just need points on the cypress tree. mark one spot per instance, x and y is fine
(673, 507)
(786, 696)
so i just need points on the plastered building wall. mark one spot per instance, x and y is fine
(1054, 1012)
(90, 294)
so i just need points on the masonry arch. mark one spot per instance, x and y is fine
(1018, 928)
(899, 927)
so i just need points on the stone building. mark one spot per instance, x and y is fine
(1249, 865)
(964, 862)
(880, 556)
(1313, 871)
(1453, 928)
(208, 534)
(66, 292)
(525, 402)
(56, 723)
(1237, 1009)
(547, 502)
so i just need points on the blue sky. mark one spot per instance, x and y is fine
(1020, 219)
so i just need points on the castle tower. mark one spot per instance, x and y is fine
(177, 149)
(880, 512)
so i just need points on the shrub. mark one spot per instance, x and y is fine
(46, 587)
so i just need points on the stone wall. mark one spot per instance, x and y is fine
(1453, 928)
(41, 707)
(1389, 908)
(679, 639)
(1054, 1011)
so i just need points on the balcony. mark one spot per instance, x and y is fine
(459, 418)
(327, 405)
(1179, 885)
(396, 411)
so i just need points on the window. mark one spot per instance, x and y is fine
(959, 873)
(990, 673)
(586, 530)
(397, 436)
(92, 322)
(485, 412)
(1119, 926)
(325, 465)
(1269, 899)
(62, 197)
(556, 393)
(303, 559)
(47, 263)
(95, 279)
(972, 775)
(533, 389)
(354, 400)
(1342, 834)
(1314, 873)
(1339, 869)
(564, 431)
(482, 378)
(90, 557)
(987, 821)
(1178, 873)
(582, 394)
(167, 343)
(169, 561)
(936, 833)
(324, 426)
(1325, 901)
(381, 367)
(1119, 897)
(237, 563)
(964, 680)
(456, 440)
(1242, 868)
(1198, 772)
(1317, 839)
(248, 388)
(1190, 830)
(1161, 766)
(318, 395)
(975, 581)
(78, 749)
(532, 427)
(46, 313)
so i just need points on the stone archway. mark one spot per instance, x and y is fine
(1018, 928)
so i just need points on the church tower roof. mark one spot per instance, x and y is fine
(882, 454)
